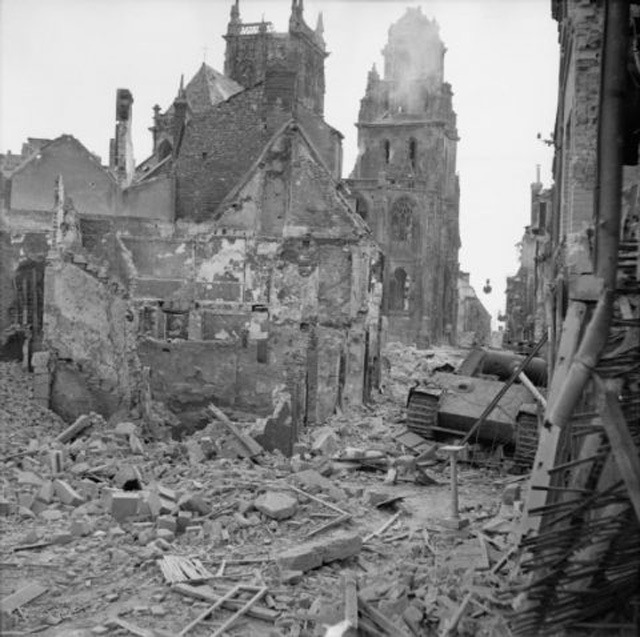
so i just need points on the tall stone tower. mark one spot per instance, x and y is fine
(254, 50)
(405, 181)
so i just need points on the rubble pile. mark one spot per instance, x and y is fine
(404, 366)
(107, 530)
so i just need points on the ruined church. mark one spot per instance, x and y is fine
(231, 265)
(405, 181)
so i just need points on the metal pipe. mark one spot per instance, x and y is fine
(610, 157)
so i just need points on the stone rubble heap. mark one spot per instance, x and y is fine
(107, 530)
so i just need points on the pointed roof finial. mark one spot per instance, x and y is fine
(320, 25)
(182, 94)
(235, 10)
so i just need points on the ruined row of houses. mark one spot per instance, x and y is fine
(234, 264)
(578, 286)
(557, 246)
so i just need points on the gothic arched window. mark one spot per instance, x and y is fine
(398, 289)
(402, 219)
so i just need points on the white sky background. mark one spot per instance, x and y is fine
(61, 62)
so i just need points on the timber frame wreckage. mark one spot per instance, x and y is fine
(145, 276)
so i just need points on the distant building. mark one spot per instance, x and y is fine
(527, 292)
(474, 320)
(405, 181)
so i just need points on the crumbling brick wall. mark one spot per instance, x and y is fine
(91, 330)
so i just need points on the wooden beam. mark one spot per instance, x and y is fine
(21, 597)
(550, 435)
(351, 599)
(623, 447)
(253, 447)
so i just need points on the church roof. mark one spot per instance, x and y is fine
(208, 87)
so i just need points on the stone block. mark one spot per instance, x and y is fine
(275, 505)
(88, 489)
(29, 477)
(325, 442)
(310, 555)
(313, 482)
(194, 502)
(46, 492)
(166, 493)
(165, 534)
(26, 500)
(80, 528)
(291, 577)
(167, 522)
(341, 546)
(66, 493)
(195, 452)
(184, 520)
(125, 429)
(300, 558)
(124, 504)
(38, 506)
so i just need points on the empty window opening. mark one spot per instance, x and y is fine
(542, 215)
(361, 207)
(386, 146)
(397, 290)
(413, 152)
(402, 220)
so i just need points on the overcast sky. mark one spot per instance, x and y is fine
(61, 62)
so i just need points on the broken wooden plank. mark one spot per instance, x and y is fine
(72, 431)
(383, 528)
(206, 594)
(202, 616)
(486, 560)
(137, 630)
(452, 625)
(328, 525)
(21, 597)
(232, 620)
(252, 446)
(623, 446)
(316, 499)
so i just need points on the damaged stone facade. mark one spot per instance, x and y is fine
(528, 306)
(587, 280)
(204, 274)
(474, 321)
(405, 181)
